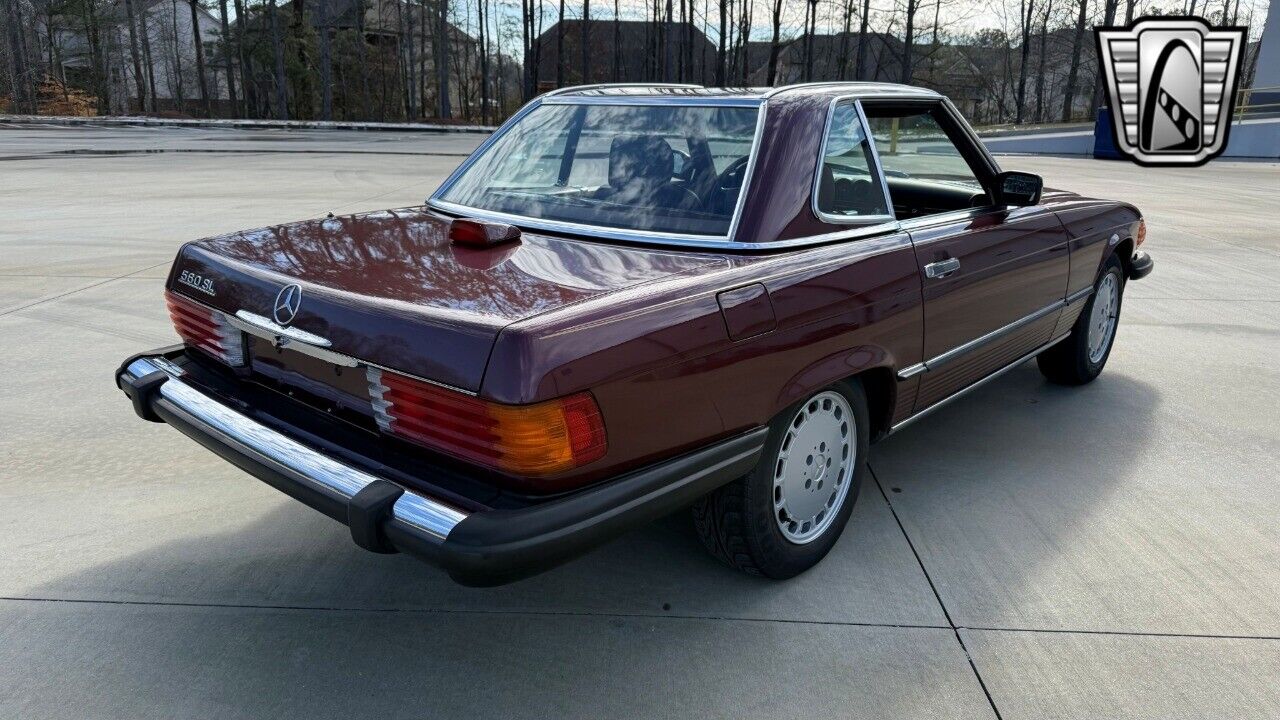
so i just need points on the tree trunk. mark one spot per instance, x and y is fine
(422, 60)
(774, 47)
(908, 40)
(138, 80)
(198, 41)
(277, 47)
(1042, 78)
(617, 43)
(326, 62)
(1099, 81)
(249, 88)
(722, 49)
(560, 48)
(146, 59)
(1073, 73)
(1024, 19)
(484, 61)
(23, 100)
(442, 60)
(586, 40)
(226, 56)
(860, 68)
(363, 58)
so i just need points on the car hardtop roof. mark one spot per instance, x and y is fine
(680, 90)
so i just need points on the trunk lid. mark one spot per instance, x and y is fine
(389, 288)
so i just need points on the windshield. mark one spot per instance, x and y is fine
(655, 168)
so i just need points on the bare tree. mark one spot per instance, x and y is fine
(1073, 74)
(226, 55)
(138, 80)
(908, 40)
(860, 69)
(722, 47)
(198, 42)
(277, 48)
(24, 99)
(326, 60)
(442, 41)
(810, 29)
(481, 5)
(774, 46)
(1042, 79)
(560, 48)
(1026, 11)
(586, 39)
(250, 91)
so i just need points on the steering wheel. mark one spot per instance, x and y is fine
(728, 184)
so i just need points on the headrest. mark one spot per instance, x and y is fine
(643, 159)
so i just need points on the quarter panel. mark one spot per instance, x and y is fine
(668, 377)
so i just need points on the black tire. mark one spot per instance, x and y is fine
(1068, 362)
(737, 522)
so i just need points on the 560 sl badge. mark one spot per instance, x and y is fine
(198, 282)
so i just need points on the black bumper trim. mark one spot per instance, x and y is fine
(487, 547)
(1140, 265)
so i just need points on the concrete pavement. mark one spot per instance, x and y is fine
(1030, 552)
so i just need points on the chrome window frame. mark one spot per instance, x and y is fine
(868, 220)
(724, 241)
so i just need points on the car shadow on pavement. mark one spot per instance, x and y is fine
(1003, 494)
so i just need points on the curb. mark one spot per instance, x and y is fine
(140, 121)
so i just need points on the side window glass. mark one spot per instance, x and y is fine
(849, 186)
(923, 168)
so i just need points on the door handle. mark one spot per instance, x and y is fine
(942, 268)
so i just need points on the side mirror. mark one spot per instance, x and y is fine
(1019, 188)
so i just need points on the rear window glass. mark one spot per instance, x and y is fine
(657, 168)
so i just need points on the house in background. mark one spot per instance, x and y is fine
(173, 56)
(626, 51)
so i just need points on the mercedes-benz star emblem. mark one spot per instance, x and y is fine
(287, 303)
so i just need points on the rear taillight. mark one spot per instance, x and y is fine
(538, 439)
(1142, 232)
(206, 329)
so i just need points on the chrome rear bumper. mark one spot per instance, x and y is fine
(283, 454)
(486, 546)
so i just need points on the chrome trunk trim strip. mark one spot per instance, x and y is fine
(289, 456)
(255, 324)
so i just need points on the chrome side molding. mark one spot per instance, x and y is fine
(969, 388)
(937, 361)
(288, 456)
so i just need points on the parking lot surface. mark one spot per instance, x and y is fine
(1031, 551)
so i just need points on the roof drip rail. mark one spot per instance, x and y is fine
(851, 84)
(603, 86)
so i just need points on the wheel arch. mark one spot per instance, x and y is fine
(1123, 250)
(871, 365)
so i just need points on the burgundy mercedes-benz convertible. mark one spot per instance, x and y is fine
(629, 300)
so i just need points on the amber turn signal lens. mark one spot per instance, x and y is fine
(1142, 232)
(527, 440)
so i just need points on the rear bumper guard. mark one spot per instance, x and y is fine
(487, 547)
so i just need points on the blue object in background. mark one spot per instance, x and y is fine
(1104, 142)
